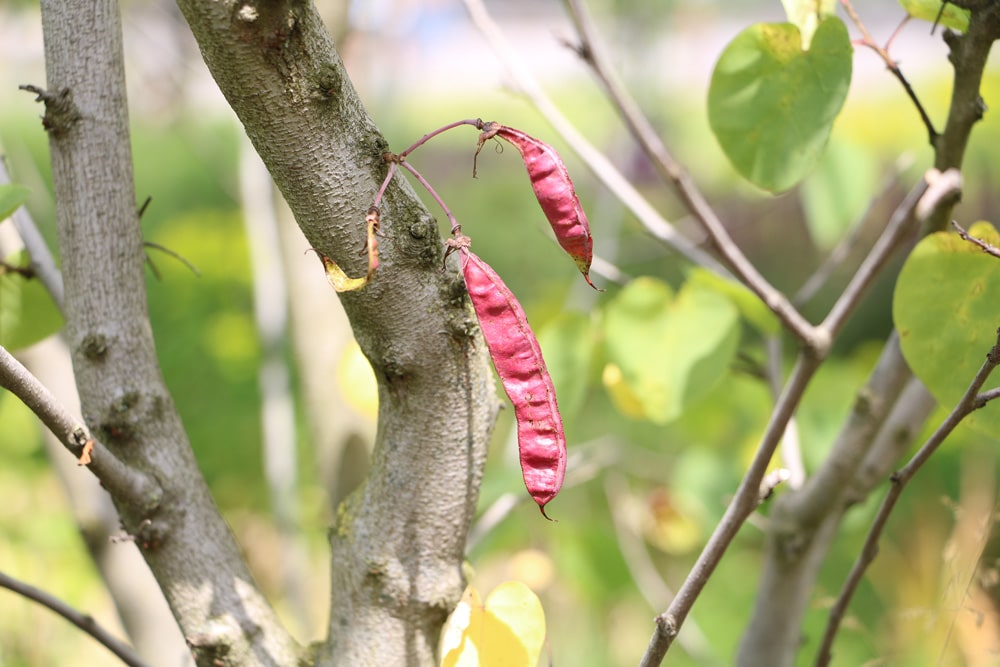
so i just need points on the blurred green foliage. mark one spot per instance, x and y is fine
(678, 477)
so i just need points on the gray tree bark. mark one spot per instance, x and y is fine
(398, 542)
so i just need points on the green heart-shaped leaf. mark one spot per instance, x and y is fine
(947, 309)
(667, 352)
(772, 105)
(952, 17)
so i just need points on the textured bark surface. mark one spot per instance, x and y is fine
(399, 540)
(171, 515)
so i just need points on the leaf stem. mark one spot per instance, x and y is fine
(455, 227)
(475, 122)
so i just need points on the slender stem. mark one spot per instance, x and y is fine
(842, 250)
(970, 401)
(744, 502)
(83, 621)
(475, 122)
(116, 477)
(385, 184)
(594, 54)
(455, 227)
(598, 163)
(945, 186)
(988, 248)
(892, 66)
(42, 262)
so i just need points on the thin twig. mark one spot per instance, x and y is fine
(983, 245)
(893, 67)
(602, 168)
(119, 479)
(971, 400)
(42, 263)
(594, 54)
(925, 195)
(744, 502)
(791, 446)
(843, 249)
(83, 621)
(455, 227)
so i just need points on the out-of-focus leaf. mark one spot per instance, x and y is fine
(952, 17)
(357, 381)
(837, 192)
(771, 104)
(670, 351)
(507, 631)
(947, 309)
(11, 198)
(749, 304)
(567, 346)
(807, 14)
(27, 312)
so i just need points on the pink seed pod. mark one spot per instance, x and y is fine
(554, 191)
(518, 359)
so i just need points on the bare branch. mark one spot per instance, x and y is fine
(593, 53)
(83, 621)
(744, 502)
(971, 400)
(893, 67)
(602, 168)
(988, 248)
(940, 189)
(42, 263)
(119, 479)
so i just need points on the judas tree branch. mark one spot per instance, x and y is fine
(187, 545)
(82, 621)
(399, 540)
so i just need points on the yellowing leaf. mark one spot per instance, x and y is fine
(507, 631)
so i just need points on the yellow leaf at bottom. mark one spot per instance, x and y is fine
(508, 631)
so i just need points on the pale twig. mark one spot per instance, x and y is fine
(42, 263)
(892, 66)
(791, 446)
(593, 53)
(744, 502)
(602, 168)
(120, 480)
(971, 400)
(843, 249)
(83, 621)
(926, 195)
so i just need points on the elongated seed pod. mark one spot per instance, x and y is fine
(518, 359)
(556, 195)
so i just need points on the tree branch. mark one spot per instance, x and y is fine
(43, 265)
(118, 478)
(602, 168)
(185, 541)
(592, 51)
(83, 621)
(971, 400)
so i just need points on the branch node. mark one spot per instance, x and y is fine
(61, 113)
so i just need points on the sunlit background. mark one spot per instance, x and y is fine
(641, 498)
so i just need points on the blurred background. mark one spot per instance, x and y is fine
(279, 404)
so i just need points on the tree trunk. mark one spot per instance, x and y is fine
(399, 540)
